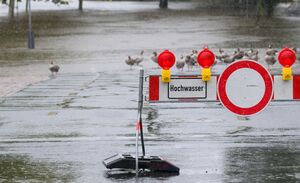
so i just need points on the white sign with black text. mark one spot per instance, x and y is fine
(184, 88)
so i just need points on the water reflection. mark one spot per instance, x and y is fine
(262, 164)
(154, 127)
(118, 175)
(18, 168)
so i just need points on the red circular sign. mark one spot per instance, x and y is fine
(261, 73)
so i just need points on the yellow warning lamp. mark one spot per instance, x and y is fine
(206, 59)
(287, 58)
(166, 60)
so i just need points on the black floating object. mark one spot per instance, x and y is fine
(152, 163)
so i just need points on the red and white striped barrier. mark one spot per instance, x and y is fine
(162, 92)
(286, 90)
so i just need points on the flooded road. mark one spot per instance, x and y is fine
(60, 128)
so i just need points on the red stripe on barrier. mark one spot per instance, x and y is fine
(138, 126)
(217, 86)
(273, 97)
(153, 88)
(296, 87)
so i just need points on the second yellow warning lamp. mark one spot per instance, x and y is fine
(287, 58)
(206, 59)
(166, 60)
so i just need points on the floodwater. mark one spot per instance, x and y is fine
(59, 129)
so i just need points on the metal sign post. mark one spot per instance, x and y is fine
(30, 32)
(140, 108)
(139, 125)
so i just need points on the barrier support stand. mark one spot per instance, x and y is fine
(127, 161)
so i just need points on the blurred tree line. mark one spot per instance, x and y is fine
(264, 7)
(11, 4)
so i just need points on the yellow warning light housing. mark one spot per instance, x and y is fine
(286, 73)
(166, 75)
(206, 73)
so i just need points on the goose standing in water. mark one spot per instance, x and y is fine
(180, 64)
(190, 62)
(224, 57)
(270, 59)
(140, 58)
(130, 62)
(230, 58)
(194, 55)
(252, 55)
(239, 54)
(154, 57)
(271, 51)
(53, 68)
(221, 55)
(297, 52)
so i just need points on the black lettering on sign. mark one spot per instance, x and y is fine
(186, 88)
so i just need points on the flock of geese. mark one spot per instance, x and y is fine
(190, 60)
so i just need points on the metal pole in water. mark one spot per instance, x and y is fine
(30, 32)
(137, 150)
(141, 96)
(139, 127)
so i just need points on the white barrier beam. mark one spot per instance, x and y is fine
(193, 89)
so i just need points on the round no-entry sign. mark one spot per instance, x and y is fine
(245, 87)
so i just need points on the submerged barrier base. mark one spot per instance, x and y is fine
(152, 163)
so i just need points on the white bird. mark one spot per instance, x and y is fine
(53, 68)
(253, 55)
(180, 64)
(140, 58)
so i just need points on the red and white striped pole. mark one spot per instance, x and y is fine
(137, 148)
(139, 126)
